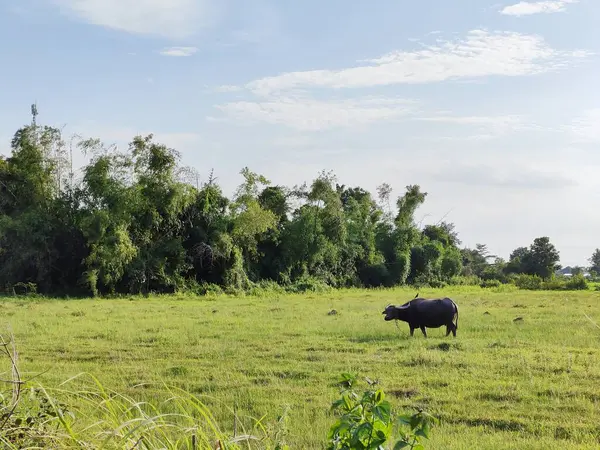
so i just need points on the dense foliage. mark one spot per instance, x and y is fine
(133, 224)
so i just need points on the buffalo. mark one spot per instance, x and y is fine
(425, 313)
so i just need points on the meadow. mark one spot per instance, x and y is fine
(523, 372)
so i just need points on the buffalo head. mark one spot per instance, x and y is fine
(394, 312)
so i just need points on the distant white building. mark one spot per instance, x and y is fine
(568, 272)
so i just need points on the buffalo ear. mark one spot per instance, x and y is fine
(417, 295)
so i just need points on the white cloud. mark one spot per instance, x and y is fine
(480, 54)
(285, 99)
(507, 177)
(167, 18)
(228, 88)
(178, 51)
(586, 127)
(483, 127)
(308, 114)
(529, 8)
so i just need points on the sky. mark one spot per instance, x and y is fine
(492, 107)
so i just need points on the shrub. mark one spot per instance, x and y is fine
(534, 282)
(308, 284)
(437, 284)
(265, 288)
(577, 282)
(490, 284)
(470, 280)
(554, 284)
(529, 282)
(366, 421)
(374, 275)
(429, 281)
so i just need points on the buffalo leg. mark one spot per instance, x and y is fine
(448, 328)
(454, 330)
(412, 331)
(424, 332)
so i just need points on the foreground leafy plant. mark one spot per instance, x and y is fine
(366, 421)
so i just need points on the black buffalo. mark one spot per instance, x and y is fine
(424, 313)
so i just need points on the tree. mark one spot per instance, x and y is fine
(595, 262)
(518, 261)
(137, 221)
(451, 264)
(30, 215)
(544, 257)
(540, 259)
(399, 238)
(577, 270)
(475, 261)
(250, 221)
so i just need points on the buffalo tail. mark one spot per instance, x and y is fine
(456, 307)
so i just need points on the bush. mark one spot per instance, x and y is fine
(265, 288)
(461, 280)
(577, 283)
(193, 287)
(436, 284)
(366, 421)
(494, 273)
(490, 284)
(374, 275)
(308, 284)
(529, 282)
(429, 280)
(553, 285)
(534, 282)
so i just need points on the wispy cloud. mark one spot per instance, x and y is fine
(586, 127)
(308, 114)
(491, 176)
(529, 8)
(479, 54)
(491, 121)
(168, 18)
(483, 127)
(287, 98)
(227, 88)
(178, 51)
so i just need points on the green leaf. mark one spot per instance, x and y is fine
(383, 412)
(405, 419)
(338, 428)
(360, 436)
(348, 379)
(424, 430)
(401, 444)
(377, 441)
(348, 403)
(379, 396)
(415, 421)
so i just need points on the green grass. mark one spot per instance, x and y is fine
(500, 384)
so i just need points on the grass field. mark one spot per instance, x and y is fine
(500, 384)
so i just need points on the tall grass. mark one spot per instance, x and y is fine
(82, 413)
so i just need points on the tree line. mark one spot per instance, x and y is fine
(136, 222)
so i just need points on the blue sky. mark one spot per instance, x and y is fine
(492, 107)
